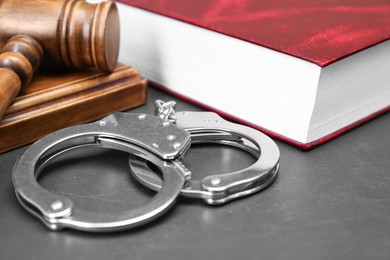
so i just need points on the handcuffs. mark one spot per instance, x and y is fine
(161, 141)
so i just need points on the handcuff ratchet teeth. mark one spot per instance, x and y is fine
(208, 127)
(153, 139)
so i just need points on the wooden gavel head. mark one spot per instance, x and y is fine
(72, 33)
(60, 33)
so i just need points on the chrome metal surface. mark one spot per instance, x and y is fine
(153, 139)
(134, 133)
(165, 110)
(207, 127)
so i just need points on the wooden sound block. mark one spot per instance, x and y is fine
(58, 99)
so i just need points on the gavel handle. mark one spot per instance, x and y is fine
(19, 59)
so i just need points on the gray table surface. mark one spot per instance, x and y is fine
(329, 203)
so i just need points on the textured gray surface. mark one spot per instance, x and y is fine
(329, 203)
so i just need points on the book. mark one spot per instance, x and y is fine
(301, 71)
(58, 99)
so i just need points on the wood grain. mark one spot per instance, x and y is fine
(9, 87)
(57, 99)
(20, 57)
(72, 33)
(28, 47)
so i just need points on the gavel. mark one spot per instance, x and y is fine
(54, 34)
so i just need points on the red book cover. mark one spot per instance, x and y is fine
(320, 32)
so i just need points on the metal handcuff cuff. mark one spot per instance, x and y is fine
(154, 139)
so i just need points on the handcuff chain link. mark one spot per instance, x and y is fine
(166, 110)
